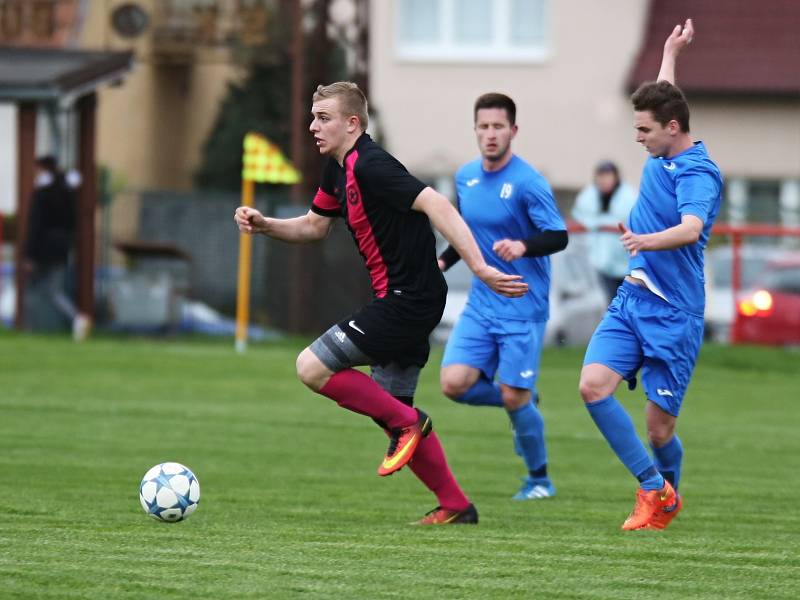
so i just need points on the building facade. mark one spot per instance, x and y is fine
(571, 65)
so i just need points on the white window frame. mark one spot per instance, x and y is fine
(499, 50)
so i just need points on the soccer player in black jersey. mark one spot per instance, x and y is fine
(389, 214)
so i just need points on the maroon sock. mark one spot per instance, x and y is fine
(353, 390)
(430, 466)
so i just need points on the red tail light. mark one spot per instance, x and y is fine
(759, 304)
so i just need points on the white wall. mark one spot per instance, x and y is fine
(8, 158)
(572, 108)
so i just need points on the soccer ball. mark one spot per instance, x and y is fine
(169, 492)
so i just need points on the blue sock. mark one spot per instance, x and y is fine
(517, 447)
(482, 393)
(529, 434)
(616, 425)
(668, 460)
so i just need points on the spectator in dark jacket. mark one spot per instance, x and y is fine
(51, 233)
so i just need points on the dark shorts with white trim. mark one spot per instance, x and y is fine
(389, 335)
(395, 329)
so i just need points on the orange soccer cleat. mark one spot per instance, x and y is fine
(443, 516)
(403, 443)
(664, 515)
(648, 504)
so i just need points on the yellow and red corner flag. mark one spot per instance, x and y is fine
(263, 162)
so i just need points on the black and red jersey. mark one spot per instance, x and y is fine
(374, 192)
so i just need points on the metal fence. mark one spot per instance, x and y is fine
(303, 288)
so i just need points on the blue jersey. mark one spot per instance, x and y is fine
(687, 184)
(514, 203)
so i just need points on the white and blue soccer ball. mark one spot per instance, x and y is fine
(169, 492)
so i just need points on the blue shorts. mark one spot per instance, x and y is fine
(509, 348)
(641, 330)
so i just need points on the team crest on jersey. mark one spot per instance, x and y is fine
(352, 195)
(506, 191)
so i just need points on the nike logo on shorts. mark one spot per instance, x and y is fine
(353, 325)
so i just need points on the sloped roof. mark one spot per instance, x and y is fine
(741, 47)
(36, 74)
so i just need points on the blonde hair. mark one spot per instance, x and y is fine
(352, 101)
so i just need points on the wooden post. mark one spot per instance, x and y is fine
(26, 152)
(87, 203)
(299, 287)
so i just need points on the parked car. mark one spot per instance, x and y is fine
(577, 299)
(769, 313)
(720, 301)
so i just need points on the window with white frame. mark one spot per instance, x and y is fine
(473, 30)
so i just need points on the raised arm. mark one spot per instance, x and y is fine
(677, 41)
(445, 218)
(307, 228)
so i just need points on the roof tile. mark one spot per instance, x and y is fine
(742, 47)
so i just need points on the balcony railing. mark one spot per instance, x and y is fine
(38, 23)
(173, 26)
(187, 23)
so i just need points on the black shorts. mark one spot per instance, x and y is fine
(394, 329)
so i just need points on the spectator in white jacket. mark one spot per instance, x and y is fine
(599, 207)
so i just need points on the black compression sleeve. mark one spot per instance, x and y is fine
(547, 242)
(449, 257)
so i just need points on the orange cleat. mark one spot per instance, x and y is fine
(664, 515)
(443, 516)
(648, 503)
(403, 443)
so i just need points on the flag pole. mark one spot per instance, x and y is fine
(262, 161)
(243, 287)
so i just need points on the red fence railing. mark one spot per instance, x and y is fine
(737, 235)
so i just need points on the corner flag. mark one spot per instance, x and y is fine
(263, 162)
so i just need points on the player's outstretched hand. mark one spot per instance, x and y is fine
(630, 241)
(250, 220)
(503, 283)
(509, 250)
(679, 38)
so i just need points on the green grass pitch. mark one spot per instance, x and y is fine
(292, 507)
